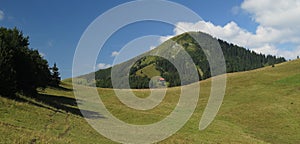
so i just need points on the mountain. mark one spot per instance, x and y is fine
(144, 67)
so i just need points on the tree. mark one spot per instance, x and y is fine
(32, 70)
(21, 68)
(7, 73)
(297, 57)
(55, 78)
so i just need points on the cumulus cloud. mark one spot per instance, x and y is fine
(266, 49)
(103, 66)
(114, 53)
(42, 54)
(230, 32)
(1, 15)
(278, 23)
(270, 13)
(294, 53)
(165, 38)
(152, 47)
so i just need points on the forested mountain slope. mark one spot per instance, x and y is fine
(236, 58)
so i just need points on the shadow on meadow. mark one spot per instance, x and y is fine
(56, 103)
(66, 104)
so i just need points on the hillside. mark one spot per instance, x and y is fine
(236, 58)
(260, 106)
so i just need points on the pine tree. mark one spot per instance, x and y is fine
(55, 78)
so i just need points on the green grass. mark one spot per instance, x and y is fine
(148, 71)
(291, 80)
(260, 106)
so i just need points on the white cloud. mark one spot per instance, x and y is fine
(231, 32)
(114, 53)
(270, 13)
(266, 49)
(165, 38)
(103, 66)
(278, 23)
(42, 54)
(152, 47)
(293, 54)
(1, 15)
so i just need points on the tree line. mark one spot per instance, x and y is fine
(22, 69)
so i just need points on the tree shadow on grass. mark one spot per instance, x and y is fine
(18, 98)
(61, 88)
(56, 103)
(66, 104)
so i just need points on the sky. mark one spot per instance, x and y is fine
(55, 27)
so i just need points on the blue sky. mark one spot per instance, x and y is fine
(55, 27)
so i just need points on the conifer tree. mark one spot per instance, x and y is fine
(55, 75)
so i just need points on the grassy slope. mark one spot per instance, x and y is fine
(55, 120)
(148, 71)
(260, 106)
